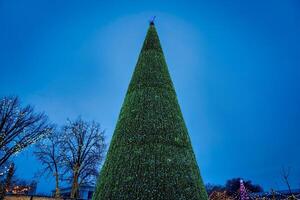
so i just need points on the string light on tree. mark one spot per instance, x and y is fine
(243, 191)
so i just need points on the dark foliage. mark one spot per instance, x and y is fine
(210, 188)
(150, 156)
(233, 185)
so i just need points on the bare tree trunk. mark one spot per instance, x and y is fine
(75, 185)
(57, 191)
(285, 175)
(288, 184)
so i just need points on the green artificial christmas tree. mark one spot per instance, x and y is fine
(150, 155)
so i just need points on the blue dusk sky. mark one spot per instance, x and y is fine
(235, 66)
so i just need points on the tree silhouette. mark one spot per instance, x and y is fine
(83, 150)
(48, 152)
(19, 127)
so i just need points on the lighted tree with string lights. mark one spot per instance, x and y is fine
(83, 149)
(243, 191)
(19, 127)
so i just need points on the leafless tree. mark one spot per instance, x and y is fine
(285, 173)
(83, 152)
(19, 127)
(48, 152)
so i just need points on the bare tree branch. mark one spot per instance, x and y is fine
(285, 173)
(19, 127)
(83, 147)
(48, 152)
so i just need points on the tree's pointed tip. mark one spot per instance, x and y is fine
(151, 22)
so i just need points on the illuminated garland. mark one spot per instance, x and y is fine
(244, 194)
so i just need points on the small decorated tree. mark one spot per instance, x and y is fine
(243, 191)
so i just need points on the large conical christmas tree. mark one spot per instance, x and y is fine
(150, 155)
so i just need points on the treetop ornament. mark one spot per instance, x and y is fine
(151, 21)
(150, 155)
